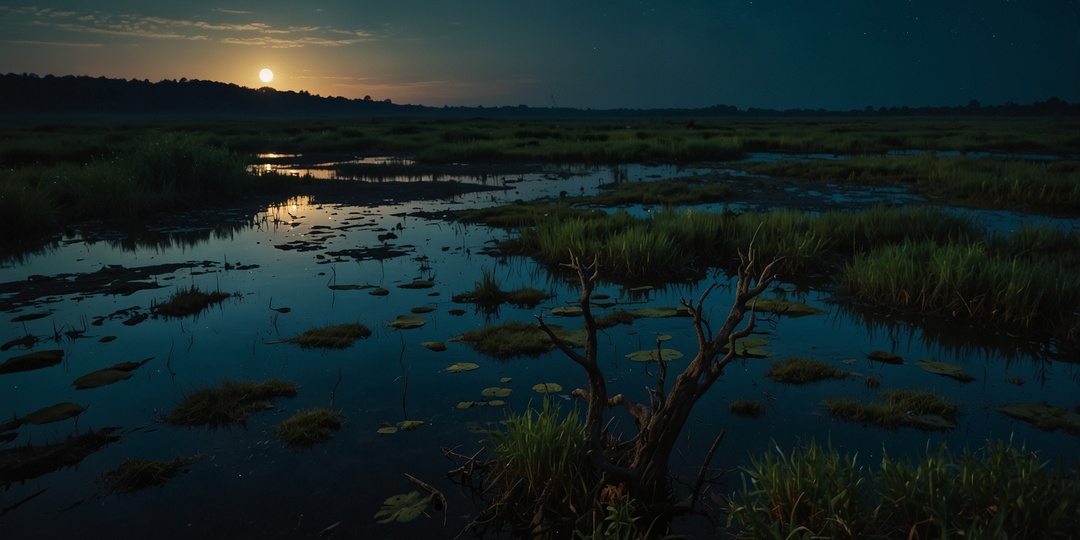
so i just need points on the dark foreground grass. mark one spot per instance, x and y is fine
(999, 491)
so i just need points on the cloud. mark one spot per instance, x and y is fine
(51, 43)
(152, 27)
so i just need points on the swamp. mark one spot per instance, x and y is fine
(180, 297)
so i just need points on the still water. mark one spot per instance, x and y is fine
(245, 484)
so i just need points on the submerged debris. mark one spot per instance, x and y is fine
(36, 360)
(229, 404)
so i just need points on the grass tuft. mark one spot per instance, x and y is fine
(228, 404)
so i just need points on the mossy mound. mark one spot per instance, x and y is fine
(747, 407)
(797, 370)
(188, 302)
(135, 474)
(229, 404)
(306, 428)
(509, 340)
(337, 336)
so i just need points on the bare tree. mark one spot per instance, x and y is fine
(646, 476)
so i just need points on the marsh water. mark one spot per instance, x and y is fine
(244, 483)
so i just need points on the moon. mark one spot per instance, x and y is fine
(266, 75)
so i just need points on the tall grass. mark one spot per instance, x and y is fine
(1000, 491)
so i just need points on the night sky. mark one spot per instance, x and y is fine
(779, 54)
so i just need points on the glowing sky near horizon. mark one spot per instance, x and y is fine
(599, 54)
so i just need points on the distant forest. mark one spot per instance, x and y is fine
(30, 94)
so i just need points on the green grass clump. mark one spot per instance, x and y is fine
(1000, 491)
(540, 470)
(798, 370)
(895, 408)
(508, 340)
(306, 428)
(338, 336)
(228, 404)
(488, 293)
(189, 301)
(615, 318)
(751, 408)
(665, 192)
(135, 474)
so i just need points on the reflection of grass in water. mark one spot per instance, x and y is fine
(188, 302)
(798, 370)
(306, 428)
(895, 408)
(337, 336)
(135, 474)
(228, 404)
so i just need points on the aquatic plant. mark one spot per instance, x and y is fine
(135, 474)
(306, 428)
(488, 293)
(337, 336)
(918, 408)
(751, 408)
(799, 370)
(230, 403)
(190, 301)
(508, 340)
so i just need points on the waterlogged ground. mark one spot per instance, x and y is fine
(243, 483)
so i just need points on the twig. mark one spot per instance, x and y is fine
(435, 494)
(705, 469)
(333, 391)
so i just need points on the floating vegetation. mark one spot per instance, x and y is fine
(436, 346)
(1044, 417)
(31, 316)
(407, 322)
(508, 340)
(872, 382)
(135, 474)
(337, 336)
(229, 404)
(470, 404)
(379, 292)
(45, 415)
(418, 284)
(352, 287)
(32, 361)
(615, 318)
(402, 508)
(916, 408)
(104, 377)
(653, 355)
(409, 425)
(505, 380)
(186, 302)
(661, 312)
(785, 307)
(885, 357)
(107, 339)
(306, 428)
(419, 310)
(952, 371)
(26, 462)
(496, 391)
(461, 366)
(566, 311)
(386, 429)
(547, 388)
(487, 292)
(751, 347)
(750, 408)
(798, 370)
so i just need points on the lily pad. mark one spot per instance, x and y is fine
(495, 391)
(785, 307)
(407, 322)
(939, 368)
(402, 508)
(418, 284)
(496, 403)
(461, 366)
(386, 430)
(650, 355)
(436, 346)
(54, 413)
(505, 380)
(421, 309)
(547, 388)
(566, 311)
(886, 357)
(101, 377)
(470, 404)
(752, 347)
(379, 292)
(849, 361)
(351, 287)
(409, 425)
(28, 362)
